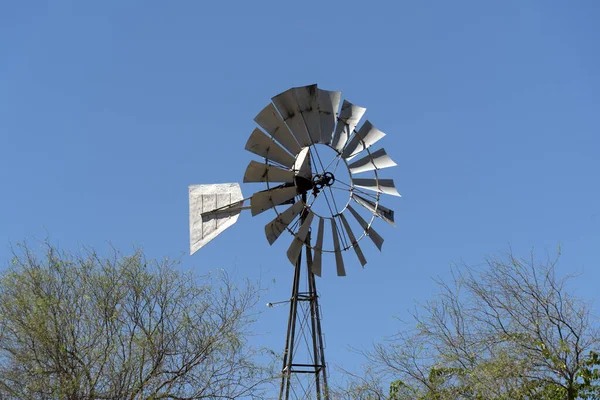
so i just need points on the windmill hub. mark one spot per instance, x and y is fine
(303, 185)
(321, 181)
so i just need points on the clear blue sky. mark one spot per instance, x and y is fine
(109, 110)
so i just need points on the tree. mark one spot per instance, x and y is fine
(81, 326)
(509, 330)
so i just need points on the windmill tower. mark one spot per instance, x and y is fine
(311, 151)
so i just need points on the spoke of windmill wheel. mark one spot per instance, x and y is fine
(346, 240)
(373, 235)
(337, 156)
(377, 185)
(383, 212)
(331, 210)
(355, 189)
(341, 188)
(337, 164)
(327, 202)
(318, 159)
(337, 210)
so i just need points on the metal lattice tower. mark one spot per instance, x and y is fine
(304, 330)
(311, 150)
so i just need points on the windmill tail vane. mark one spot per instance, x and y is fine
(322, 177)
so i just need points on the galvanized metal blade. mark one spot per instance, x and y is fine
(365, 137)
(355, 246)
(262, 145)
(377, 185)
(307, 99)
(329, 103)
(376, 160)
(302, 166)
(289, 110)
(271, 122)
(373, 235)
(382, 212)
(299, 239)
(339, 260)
(206, 198)
(276, 227)
(266, 199)
(349, 117)
(318, 255)
(261, 172)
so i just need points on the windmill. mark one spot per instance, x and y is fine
(311, 151)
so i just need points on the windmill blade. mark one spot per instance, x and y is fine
(266, 199)
(329, 103)
(317, 260)
(306, 97)
(373, 235)
(302, 166)
(339, 260)
(382, 212)
(357, 250)
(349, 117)
(262, 145)
(276, 227)
(289, 110)
(271, 122)
(204, 198)
(377, 185)
(299, 239)
(365, 137)
(261, 172)
(375, 160)
(340, 136)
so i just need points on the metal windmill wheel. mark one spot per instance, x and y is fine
(318, 169)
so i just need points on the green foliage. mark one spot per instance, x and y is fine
(506, 331)
(81, 326)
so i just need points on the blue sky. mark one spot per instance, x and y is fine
(109, 110)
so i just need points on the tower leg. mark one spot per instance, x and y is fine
(303, 374)
(288, 353)
(318, 346)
